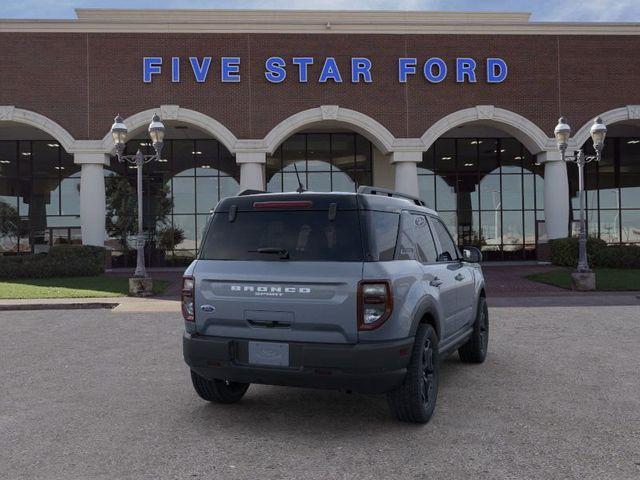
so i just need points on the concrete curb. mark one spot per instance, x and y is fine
(57, 306)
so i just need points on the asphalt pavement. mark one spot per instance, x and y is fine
(102, 394)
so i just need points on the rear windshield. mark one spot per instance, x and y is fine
(284, 236)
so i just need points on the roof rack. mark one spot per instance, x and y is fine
(390, 193)
(249, 191)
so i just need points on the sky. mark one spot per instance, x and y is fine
(542, 10)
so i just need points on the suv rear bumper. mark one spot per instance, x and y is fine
(365, 367)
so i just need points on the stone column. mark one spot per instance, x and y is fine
(251, 169)
(406, 166)
(92, 197)
(556, 194)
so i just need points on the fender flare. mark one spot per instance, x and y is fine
(427, 305)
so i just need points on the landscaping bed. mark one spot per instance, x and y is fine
(71, 287)
(607, 279)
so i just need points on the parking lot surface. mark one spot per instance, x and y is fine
(99, 394)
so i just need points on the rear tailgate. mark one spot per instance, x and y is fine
(280, 301)
(281, 267)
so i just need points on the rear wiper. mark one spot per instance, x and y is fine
(283, 252)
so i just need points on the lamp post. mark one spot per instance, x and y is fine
(119, 133)
(562, 133)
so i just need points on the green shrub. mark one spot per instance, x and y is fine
(564, 251)
(61, 261)
(618, 256)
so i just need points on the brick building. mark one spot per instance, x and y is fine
(458, 108)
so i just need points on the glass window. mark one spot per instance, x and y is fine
(490, 197)
(426, 166)
(467, 154)
(8, 159)
(445, 156)
(319, 152)
(512, 228)
(610, 226)
(382, 233)
(183, 155)
(207, 194)
(206, 157)
(187, 223)
(488, 155)
(424, 239)
(445, 193)
(70, 196)
(305, 236)
(630, 226)
(511, 192)
(511, 155)
(426, 185)
(183, 195)
(449, 251)
(325, 162)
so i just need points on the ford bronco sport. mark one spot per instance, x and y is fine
(362, 292)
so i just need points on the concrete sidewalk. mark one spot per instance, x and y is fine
(117, 304)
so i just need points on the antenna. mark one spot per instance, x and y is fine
(300, 188)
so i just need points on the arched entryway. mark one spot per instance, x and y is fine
(39, 184)
(197, 170)
(613, 185)
(332, 148)
(481, 173)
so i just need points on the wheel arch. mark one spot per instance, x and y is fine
(427, 313)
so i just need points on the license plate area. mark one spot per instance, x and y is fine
(269, 353)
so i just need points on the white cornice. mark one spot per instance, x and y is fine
(297, 21)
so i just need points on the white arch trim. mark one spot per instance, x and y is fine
(629, 112)
(10, 113)
(382, 138)
(527, 132)
(177, 113)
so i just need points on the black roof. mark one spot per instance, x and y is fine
(322, 201)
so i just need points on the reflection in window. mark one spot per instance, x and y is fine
(489, 191)
(612, 188)
(39, 196)
(195, 175)
(325, 162)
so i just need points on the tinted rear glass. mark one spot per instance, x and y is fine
(305, 235)
(382, 233)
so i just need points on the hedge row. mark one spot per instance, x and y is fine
(61, 261)
(564, 252)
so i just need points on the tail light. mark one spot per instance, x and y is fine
(375, 303)
(188, 284)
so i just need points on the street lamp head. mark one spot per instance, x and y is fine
(156, 132)
(119, 133)
(598, 133)
(562, 133)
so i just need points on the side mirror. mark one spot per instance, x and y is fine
(471, 254)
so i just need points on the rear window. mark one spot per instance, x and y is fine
(304, 235)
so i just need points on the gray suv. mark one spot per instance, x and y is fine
(363, 292)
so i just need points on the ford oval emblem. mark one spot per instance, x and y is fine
(207, 308)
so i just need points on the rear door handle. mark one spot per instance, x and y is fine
(436, 282)
(459, 277)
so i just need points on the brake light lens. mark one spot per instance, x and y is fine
(375, 303)
(284, 204)
(188, 284)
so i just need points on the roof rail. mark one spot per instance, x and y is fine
(390, 193)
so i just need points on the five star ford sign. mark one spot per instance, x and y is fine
(361, 69)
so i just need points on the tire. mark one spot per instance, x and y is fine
(218, 391)
(475, 350)
(415, 400)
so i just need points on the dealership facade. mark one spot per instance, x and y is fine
(457, 108)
